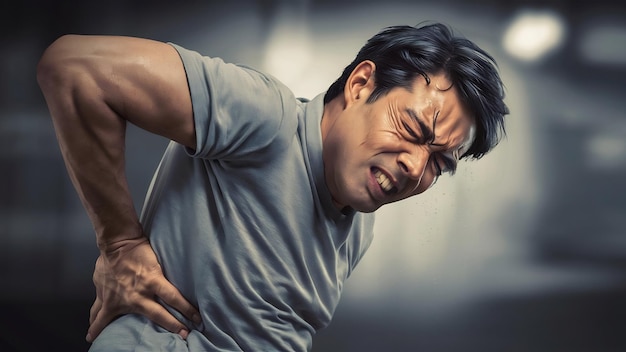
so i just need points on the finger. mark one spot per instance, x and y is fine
(171, 296)
(101, 320)
(95, 308)
(160, 316)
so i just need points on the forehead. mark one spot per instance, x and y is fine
(437, 103)
(438, 92)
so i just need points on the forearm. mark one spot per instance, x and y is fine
(93, 86)
(91, 137)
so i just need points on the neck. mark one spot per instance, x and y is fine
(332, 109)
(330, 115)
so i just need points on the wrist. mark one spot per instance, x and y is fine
(108, 243)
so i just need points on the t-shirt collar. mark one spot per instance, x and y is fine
(313, 118)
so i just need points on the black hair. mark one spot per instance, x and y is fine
(401, 53)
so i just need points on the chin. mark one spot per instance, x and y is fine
(360, 201)
(366, 208)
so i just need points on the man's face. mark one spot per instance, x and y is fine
(396, 147)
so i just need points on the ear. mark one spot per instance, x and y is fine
(360, 83)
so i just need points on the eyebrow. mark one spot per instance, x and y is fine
(428, 137)
(427, 134)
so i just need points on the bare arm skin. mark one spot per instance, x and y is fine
(93, 85)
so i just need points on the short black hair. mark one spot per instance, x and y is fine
(401, 53)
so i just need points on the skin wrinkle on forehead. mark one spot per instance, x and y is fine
(429, 133)
(435, 104)
(439, 82)
(462, 149)
(448, 139)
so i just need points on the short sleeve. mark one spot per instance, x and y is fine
(238, 111)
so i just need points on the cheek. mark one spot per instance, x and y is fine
(382, 140)
(378, 130)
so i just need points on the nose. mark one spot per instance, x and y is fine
(413, 163)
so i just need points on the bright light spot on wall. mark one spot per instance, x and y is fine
(534, 34)
(288, 53)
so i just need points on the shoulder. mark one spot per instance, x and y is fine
(238, 110)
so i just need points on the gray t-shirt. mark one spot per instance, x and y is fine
(244, 224)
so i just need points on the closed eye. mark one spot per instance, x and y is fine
(445, 165)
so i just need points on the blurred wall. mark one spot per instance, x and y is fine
(524, 250)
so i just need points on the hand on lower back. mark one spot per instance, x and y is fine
(129, 279)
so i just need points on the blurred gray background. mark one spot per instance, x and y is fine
(524, 250)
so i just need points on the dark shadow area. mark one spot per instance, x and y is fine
(585, 321)
(40, 325)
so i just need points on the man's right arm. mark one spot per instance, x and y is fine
(93, 85)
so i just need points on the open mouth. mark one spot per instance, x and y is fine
(385, 183)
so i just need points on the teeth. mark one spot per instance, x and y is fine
(383, 181)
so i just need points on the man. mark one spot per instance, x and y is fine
(263, 203)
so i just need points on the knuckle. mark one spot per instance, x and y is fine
(166, 293)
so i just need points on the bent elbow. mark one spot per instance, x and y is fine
(54, 64)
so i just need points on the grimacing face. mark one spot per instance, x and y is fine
(396, 147)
